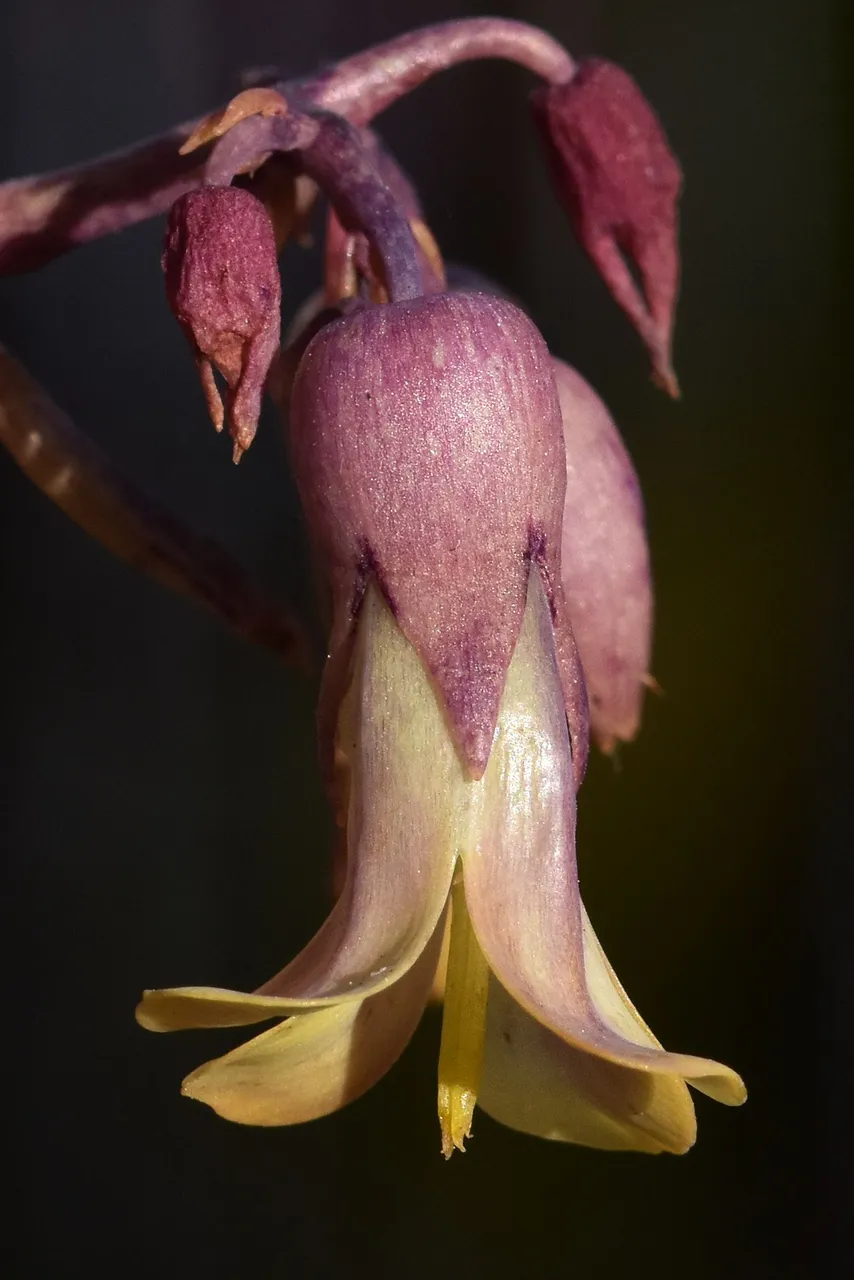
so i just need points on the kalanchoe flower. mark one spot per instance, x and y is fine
(222, 281)
(605, 562)
(428, 448)
(619, 182)
(442, 485)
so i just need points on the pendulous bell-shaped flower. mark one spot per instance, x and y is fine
(222, 282)
(605, 562)
(428, 447)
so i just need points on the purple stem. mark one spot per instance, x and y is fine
(366, 84)
(342, 161)
(44, 216)
(344, 168)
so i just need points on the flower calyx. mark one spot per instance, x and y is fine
(427, 445)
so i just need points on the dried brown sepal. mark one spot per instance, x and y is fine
(260, 101)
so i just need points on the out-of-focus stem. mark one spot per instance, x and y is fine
(362, 86)
(74, 474)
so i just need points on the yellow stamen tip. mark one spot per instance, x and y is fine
(463, 1028)
(456, 1109)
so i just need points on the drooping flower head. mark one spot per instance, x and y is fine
(428, 447)
(471, 502)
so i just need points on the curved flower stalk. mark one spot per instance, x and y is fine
(428, 447)
(612, 164)
(350, 262)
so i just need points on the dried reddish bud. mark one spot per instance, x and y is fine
(222, 281)
(619, 182)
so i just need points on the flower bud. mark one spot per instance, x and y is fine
(428, 450)
(604, 562)
(619, 183)
(222, 282)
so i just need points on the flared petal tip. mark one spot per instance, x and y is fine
(148, 1013)
(724, 1085)
(240, 1105)
(200, 1008)
(197, 1085)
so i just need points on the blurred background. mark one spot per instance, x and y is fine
(163, 820)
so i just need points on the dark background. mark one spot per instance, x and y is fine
(163, 820)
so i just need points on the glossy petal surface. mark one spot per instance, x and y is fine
(317, 1062)
(406, 803)
(536, 1082)
(521, 878)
